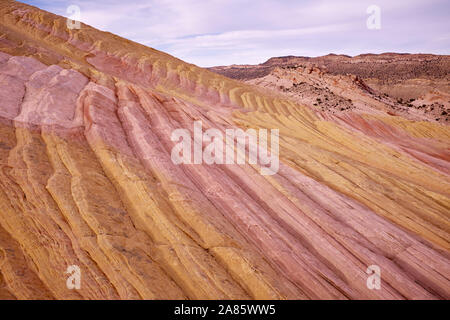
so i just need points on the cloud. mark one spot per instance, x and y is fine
(220, 32)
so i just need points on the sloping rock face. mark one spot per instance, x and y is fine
(87, 180)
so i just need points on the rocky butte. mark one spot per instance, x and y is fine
(87, 184)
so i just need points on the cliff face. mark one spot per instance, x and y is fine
(87, 180)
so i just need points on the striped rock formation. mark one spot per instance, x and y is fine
(87, 180)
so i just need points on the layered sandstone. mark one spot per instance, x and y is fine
(86, 179)
(418, 82)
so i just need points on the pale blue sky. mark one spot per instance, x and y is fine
(223, 32)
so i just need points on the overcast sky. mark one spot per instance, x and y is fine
(224, 32)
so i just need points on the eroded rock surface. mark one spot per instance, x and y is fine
(86, 179)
